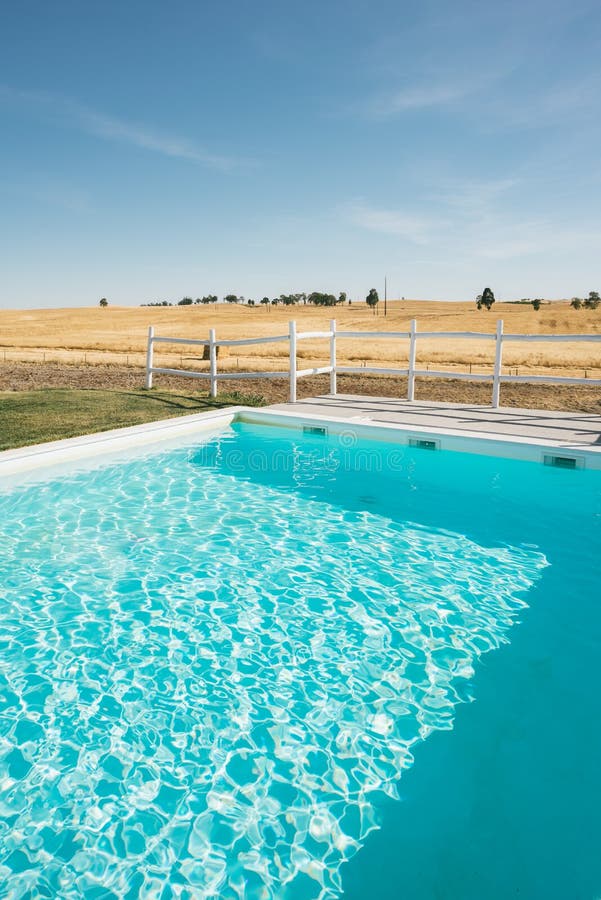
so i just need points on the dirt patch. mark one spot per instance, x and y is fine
(15, 376)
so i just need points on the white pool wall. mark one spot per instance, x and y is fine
(99, 447)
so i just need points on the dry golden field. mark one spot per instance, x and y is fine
(117, 335)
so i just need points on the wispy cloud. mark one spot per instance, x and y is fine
(414, 228)
(472, 197)
(537, 237)
(98, 124)
(417, 97)
(468, 224)
(493, 101)
(52, 193)
(572, 103)
(140, 136)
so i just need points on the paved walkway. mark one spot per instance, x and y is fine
(566, 428)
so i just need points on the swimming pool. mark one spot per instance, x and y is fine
(243, 667)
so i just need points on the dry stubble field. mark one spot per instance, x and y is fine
(106, 348)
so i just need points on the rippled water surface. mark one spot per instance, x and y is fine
(218, 661)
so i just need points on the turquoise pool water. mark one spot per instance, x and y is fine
(245, 668)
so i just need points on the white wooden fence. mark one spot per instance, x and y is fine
(293, 373)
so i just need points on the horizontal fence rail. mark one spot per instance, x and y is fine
(293, 373)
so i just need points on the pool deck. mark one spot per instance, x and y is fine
(565, 429)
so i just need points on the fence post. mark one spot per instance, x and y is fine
(292, 352)
(496, 381)
(213, 362)
(149, 357)
(333, 356)
(412, 354)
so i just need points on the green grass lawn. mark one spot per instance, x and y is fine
(31, 417)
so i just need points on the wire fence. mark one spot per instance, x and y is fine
(137, 360)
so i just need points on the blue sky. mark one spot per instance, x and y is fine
(152, 150)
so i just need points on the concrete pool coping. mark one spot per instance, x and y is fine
(536, 435)
(573, 428)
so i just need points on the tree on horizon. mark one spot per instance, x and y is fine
(485, 299)
(372, 300)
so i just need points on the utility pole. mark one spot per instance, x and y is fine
(385, 294)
